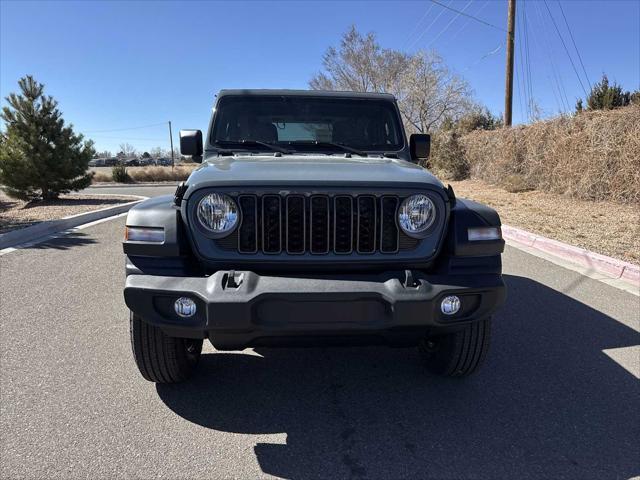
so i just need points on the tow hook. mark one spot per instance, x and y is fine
(232, 279)
(409, 281)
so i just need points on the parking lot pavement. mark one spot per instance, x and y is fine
(557, 397)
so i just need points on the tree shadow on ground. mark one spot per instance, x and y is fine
(63, 242)
(548, 402)
(74, 202)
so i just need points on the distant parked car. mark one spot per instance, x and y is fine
(145, 161)
(110, 162)
(163, 161)
(132, 162)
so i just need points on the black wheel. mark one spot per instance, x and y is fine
(457, 354)
(160, 358)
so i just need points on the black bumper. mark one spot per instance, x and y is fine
(276, 310)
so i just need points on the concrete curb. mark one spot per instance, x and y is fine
(609, 266)
(28, 234)
(133, 185)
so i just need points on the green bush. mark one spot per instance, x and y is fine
(119, 174)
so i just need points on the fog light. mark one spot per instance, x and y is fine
(185, 307)
(450, 305)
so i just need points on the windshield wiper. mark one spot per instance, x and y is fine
(247, 142)
(341, 146)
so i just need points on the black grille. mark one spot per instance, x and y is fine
(343, 224)
(271, 224)
(296, 231)
(248, 231)
(388, 228)
(319, 224)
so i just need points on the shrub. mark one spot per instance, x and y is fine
(160, 174)
(447, 158)
(119, 174)
(593, 155)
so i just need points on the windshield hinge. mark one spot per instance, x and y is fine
(177, 197)
(451, 195)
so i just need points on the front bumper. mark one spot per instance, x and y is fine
(276, 310)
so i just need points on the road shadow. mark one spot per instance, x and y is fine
(548, 402)
(64, 242)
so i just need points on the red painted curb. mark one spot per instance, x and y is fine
(631, 273)
(591, 260)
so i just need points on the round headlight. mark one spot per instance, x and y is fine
(217, 213)
(416, 214)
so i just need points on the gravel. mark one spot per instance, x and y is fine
(608, 228)
(16, 214)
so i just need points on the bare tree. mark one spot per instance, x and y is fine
(127, 150)
(426, 89)
(429, 92)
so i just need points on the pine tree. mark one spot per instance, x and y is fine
(39, 155)
(605, 97)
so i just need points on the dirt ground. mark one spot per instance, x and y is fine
(608, 228)
(16, 214)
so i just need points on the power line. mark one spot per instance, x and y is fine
(519, 90)
(464, 25)
(449, 24)
(427, 29)
(128, 138)
(538, 47)
(417, 25)
(557, 77)
(527, 51)
(523, 77)
(467, 15)
(574, 45)
(488, 54)
(123, 129)
(565, 48)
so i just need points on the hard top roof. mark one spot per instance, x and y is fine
(305, 93)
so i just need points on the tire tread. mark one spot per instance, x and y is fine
(159, 357)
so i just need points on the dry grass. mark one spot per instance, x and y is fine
(147, 174)
(604, 227)
(593, 156)
(16, 214)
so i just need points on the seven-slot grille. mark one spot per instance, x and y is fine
(318, 224)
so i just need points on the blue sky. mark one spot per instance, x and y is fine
(115, 65)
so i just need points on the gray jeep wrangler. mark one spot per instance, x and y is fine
(310, 223)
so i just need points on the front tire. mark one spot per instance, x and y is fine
(159, 357)
(457, 354)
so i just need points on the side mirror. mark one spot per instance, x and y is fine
(419, 146)
(191, 144)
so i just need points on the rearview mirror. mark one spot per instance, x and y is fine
(419, 146)
(191, 144)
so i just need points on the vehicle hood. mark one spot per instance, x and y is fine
(312, 170)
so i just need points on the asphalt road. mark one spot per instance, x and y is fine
(550, 402)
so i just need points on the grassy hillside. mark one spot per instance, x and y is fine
(593, 155)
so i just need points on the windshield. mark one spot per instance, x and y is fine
(306, 123)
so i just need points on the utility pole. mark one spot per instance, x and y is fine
(171, 140)
(508, 93)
